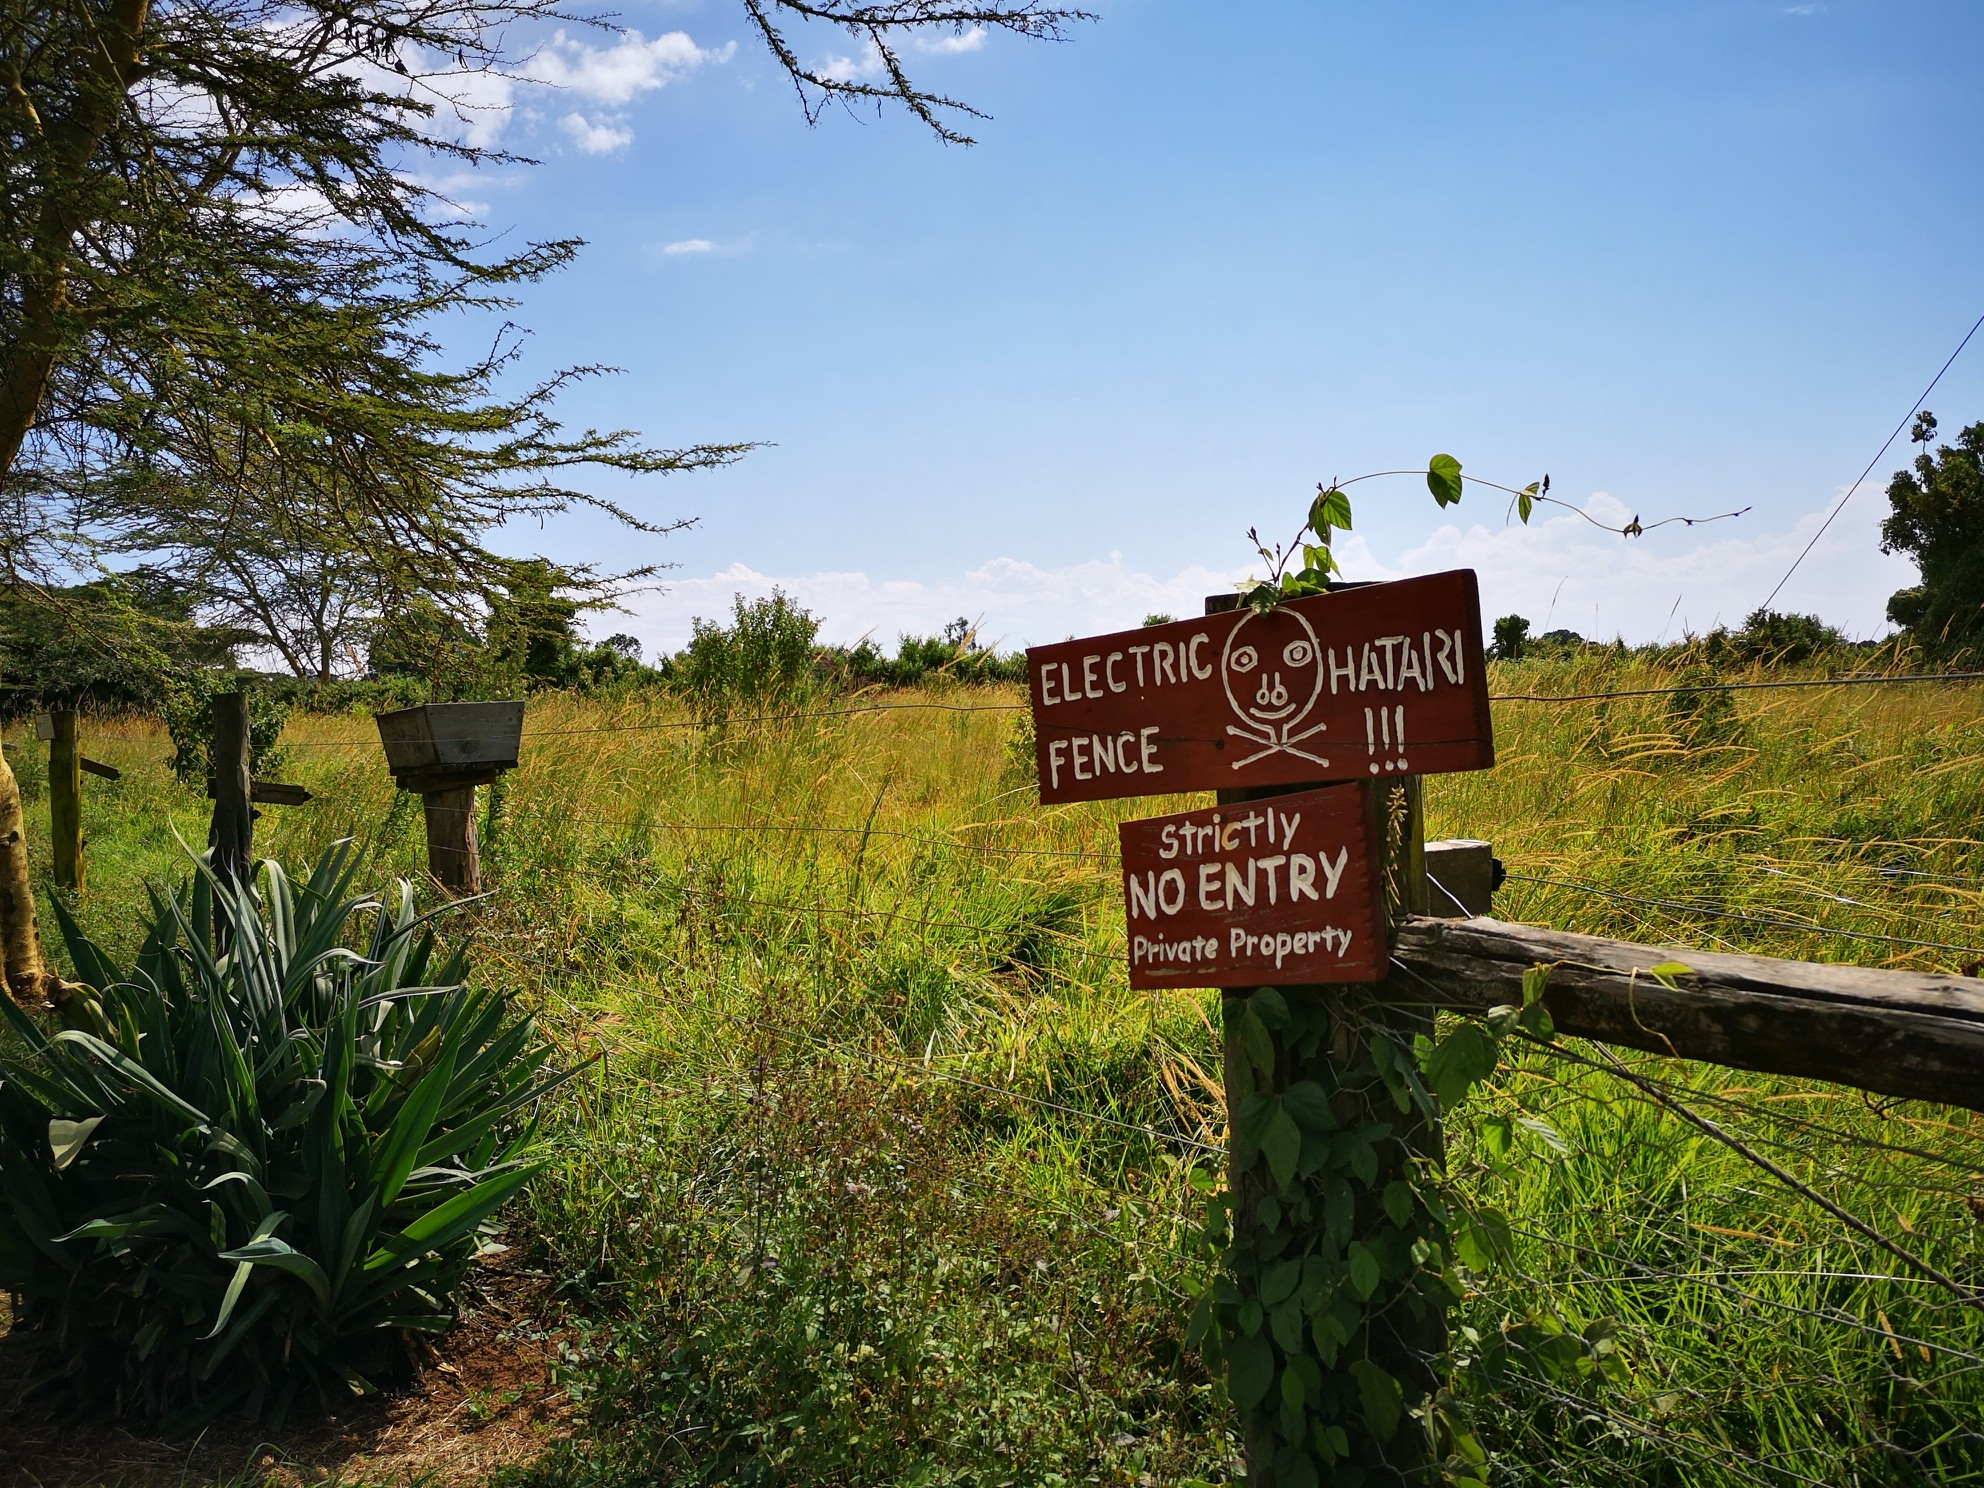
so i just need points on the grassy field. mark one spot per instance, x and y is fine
(887, 1177)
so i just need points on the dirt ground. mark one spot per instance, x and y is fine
(486, 1399)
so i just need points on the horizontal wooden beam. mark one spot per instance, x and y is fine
(94, 767)
(1896, 1033)
(270, 793)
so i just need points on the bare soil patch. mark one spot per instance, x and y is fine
(486, 1398)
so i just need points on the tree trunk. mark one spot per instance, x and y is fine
(27, 980)
(49, 315)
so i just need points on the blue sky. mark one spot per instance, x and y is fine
(1683, 256)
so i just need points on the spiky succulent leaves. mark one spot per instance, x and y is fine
(254, 1169)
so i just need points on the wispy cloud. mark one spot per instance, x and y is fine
(960, 41)
(1020, 602)
(700, 247)
(1812, 9)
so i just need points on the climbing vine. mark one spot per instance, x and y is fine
(1342, 1245)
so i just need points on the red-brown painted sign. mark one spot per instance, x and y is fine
(1277, 892)
(1385, 679)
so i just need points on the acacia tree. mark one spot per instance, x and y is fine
(218, 262)
(1937, 517)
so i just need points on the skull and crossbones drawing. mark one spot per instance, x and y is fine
(1272, 668)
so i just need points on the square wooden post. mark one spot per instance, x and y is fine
(451, 846)
(65, 799)
(231, 838)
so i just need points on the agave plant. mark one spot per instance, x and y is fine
(243, 1176)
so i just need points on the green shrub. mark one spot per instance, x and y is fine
(189, 719)
(763, 658)
(238, 1180)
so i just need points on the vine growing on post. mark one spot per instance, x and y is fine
(1342, 1242)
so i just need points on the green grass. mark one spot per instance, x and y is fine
(846, 1202)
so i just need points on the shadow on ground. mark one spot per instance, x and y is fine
(486, 1398)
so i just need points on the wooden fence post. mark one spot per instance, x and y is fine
(232, 836)
(65, 799)
(451, 849)
(1359, 1013)
(443, 751)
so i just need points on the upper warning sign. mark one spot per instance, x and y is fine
(1377, 680)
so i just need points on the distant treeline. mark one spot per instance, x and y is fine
(1766, 638)
(117, 645)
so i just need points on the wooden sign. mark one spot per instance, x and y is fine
(1277, 892)
(1384, 679)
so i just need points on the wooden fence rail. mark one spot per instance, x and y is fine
(1898, 1033)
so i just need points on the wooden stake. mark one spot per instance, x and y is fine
(65, 800)
(232, 836)
(451, 854)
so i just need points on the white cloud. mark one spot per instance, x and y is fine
(963, 41)
(601, 138)
(619, 73)
(486, 105)
(1021, 603)
(841, 69)
(1559, 572)
(1563, 572)
(701, 248)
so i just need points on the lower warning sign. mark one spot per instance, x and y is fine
(1275, 892)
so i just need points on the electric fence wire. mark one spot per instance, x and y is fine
(803, 716)
(1889, 441)
(1766, 922)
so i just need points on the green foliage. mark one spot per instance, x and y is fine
(1937, 518)
(764, 659)
(1019, 766)
(361, 696)
(1329, 513)
(235, 1180)
(1511, 633)
(1769, 638)
(112, 643)
(953, 656)
(189, 719)
(822, 1290)
(1443, 479)
(524, 639)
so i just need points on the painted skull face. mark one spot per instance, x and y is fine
(1272, 668)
